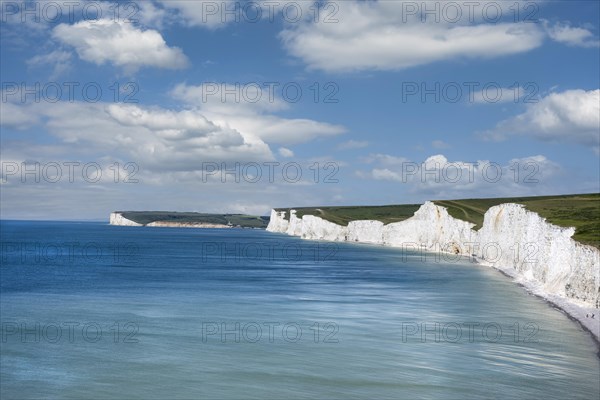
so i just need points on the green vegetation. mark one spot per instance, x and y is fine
(581, 211)
(245, 221)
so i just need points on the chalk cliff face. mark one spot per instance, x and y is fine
(295, 226)
(118, 219)
(365, 231)
(278, 223)
(433, 229)
(317, 228)
(538, 254)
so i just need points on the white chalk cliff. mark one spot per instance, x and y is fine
(541, 256)
(118, 219)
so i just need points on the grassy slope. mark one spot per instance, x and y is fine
(581, 211)
(246, 221)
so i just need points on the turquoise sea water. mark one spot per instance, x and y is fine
(95, 311)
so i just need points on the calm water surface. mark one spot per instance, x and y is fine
(96, 311)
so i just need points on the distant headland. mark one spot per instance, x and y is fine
(173, 219)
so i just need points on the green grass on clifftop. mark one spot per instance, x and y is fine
(581, 211)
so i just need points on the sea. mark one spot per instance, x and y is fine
(93, 311)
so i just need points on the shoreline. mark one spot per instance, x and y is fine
(574, 312)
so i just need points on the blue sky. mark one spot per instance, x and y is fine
(392, 107)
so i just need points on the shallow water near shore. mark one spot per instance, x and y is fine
(90, 310)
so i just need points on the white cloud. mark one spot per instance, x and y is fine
(60, 59)
(148, 14)
(120, 43)
(249, 98)
(165, 139)
(352, 144)
(571, 36)
(285, 152)
(172, 125)
(156, 138)
(494, 94)
(385, 174)
(14, 116)
(381, 36)
(255, 118)
(170, 147)
(570, 116)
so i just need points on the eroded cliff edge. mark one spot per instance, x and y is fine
(541, 256)
(118, 219)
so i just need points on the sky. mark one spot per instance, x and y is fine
(240, 107)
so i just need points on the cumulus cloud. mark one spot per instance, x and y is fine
(121, 44)
(571, 36)
(382, 35)
(571, 116)
(168, 139)
(251, 116)
(157, 138)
